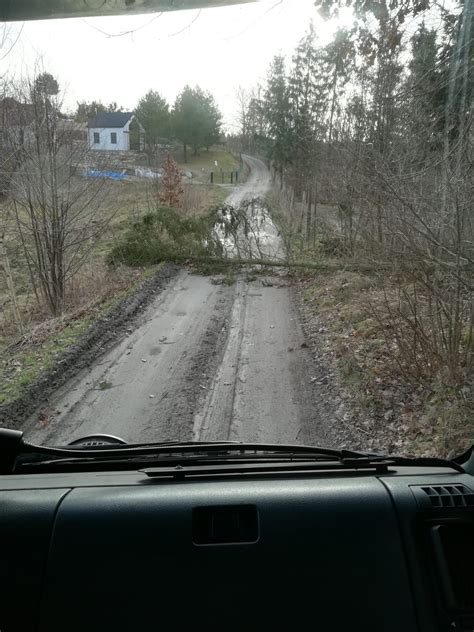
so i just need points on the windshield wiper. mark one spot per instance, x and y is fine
(207, 462)
(18, 455)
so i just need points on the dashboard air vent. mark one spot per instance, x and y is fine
(443, 496)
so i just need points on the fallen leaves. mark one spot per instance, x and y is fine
(394, 412)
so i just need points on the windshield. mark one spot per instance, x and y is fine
(247, 223)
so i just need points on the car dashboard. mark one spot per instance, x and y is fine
(129, 551)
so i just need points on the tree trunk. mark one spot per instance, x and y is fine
(315, 205)
(308, 217)
(10, 285)
(333, 105)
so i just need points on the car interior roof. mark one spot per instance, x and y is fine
(17, 10)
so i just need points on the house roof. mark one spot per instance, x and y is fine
(110, 119)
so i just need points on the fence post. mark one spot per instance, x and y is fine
(222, 173)
(232, 177)
(212, 177)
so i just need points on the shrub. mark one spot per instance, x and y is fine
(166, 235)
(333, 246)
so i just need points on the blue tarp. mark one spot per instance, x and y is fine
(114, 175)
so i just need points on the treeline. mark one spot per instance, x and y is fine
(194, 119)
(378, 124)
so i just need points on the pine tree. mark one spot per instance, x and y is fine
(153, 113)
(276, 108)
(308, 93)
(211, 120)
(196, 119)
(339, 62)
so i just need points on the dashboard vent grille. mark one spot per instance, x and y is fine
(441, 496)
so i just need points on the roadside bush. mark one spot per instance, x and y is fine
(166, 235)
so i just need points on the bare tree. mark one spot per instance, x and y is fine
(58, 209)
(5, 264)
(242, 98)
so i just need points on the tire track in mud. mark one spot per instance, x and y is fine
(148, 386)
(213, 420)
(264, 389)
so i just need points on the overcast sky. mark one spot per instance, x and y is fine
(218, 49)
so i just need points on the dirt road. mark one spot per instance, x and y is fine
(261, 238)
(208, 362)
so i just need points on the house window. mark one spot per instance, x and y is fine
(113, 138)
(96, 138)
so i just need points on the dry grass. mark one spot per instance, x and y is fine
(126, 202)
(198, 199)
(427, 415)
(92, 286)
(96, 283)
(203, 163)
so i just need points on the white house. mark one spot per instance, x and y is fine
(115, 131)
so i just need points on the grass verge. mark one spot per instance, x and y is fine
(204, 162)
(421, 417)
